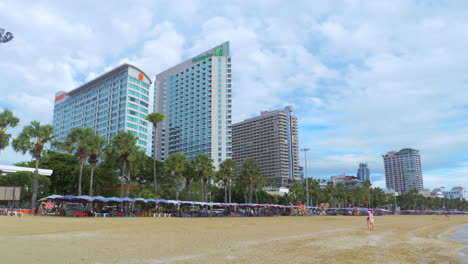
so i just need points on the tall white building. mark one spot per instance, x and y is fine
(195, 96)
(115, 101)
(403, 170)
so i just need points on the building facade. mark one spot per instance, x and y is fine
(363, 172)
(348, 180)
(456, 193)
(403, 170)
(195, 96)
(271, 139)
(116, 101)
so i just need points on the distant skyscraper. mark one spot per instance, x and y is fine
(113, 102)
(271, 139)
(403, 170)
(363, 173)
(195, 96)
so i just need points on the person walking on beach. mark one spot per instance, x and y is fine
(370, 220)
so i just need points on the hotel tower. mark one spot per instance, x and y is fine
(116, 101)
(195, 97)
(403, 170)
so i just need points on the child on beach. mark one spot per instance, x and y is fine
(370, 220)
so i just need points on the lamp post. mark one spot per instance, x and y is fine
(443, 193)
(394, 195)
(307, 181)
(8, 36)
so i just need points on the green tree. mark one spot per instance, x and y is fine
(226, 173)
(174, 164)
(155, 118)
(77, 142)
(203, 165)
(65, 171)
(190, 175)
(7, 119)
(33, 139)
(119, 152)
(249, 173)
(96, 148)
(314, 190)
(297, 192)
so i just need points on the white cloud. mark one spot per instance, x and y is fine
(363, 77)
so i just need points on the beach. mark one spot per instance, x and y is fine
(319, 239)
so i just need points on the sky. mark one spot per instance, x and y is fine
(363, 77)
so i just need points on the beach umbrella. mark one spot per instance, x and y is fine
(114, 199)
(85, 198)
(51, 197)
(127, 199)
(142, 200)
(100, 198)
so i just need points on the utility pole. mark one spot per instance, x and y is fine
(307, 180)
(394, 195)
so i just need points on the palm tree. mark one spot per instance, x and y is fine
(367, 185)
(96, 147)
(226, 169)
(250, 172)
(32, 139)
(77, 142)
(122, 146)
(189, 175)
(258, 183)
(204, 166)
(222, 178)
(136, 166)
(174, 164)
(7, 119)
(155, 118)
(314, 188)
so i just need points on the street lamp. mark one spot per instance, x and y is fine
(307, 180)
(8, 36)
(394, 195)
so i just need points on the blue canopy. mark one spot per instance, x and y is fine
(114, 199)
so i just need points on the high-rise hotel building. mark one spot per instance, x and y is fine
(115, 101)
(195, 96)
(272, 140)
(363, 172)
(403, 170)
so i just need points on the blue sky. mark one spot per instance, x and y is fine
(364, 77)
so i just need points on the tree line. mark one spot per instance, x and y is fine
(86, 161)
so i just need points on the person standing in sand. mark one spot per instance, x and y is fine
(370, 220)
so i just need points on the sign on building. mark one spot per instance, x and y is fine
(10, 193)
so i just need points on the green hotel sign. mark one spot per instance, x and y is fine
(218, 51)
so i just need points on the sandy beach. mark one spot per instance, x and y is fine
(324, 239)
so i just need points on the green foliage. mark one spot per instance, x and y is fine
(155, 118)
(250, 177)
(33, 139)
(78, 142)
(204, 168)
(7, 120)
(174, 165)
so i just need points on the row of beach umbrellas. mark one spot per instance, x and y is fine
(86, 198)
